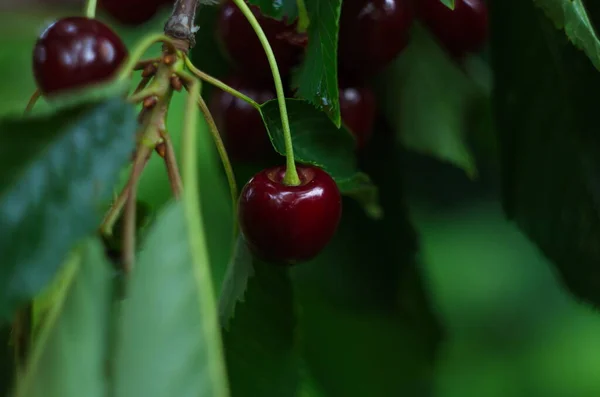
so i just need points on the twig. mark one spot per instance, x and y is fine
(180, 25)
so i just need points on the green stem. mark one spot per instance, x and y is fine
(195, 226)
(219, 84)
(90, 9)
(32, 101)
(139, 51)
(291, 174)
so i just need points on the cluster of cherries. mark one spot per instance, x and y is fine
(281, 223)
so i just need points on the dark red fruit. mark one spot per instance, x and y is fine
(132, 12)
(241, 45)
(372, 33)
(460, 31)
(240, 125)
(357, 105)
(289, 224)
(74, 52)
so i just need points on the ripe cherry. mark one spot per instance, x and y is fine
(372, 33)
(289, 224)
(460, 31)
(74, 52)
(132, 12)
(240, 44)
(240, 125)
(357, 105)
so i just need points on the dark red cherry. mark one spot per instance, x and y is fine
(240, 125)
(289, 224)
(132, 12)
(241, 45)
(74, 52)
(372, 33)
(460, 31)
(357, 105)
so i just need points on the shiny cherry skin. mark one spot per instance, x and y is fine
(372, 33)
(75, 52)
(462, 30)
(132, 12)
(289, 224)
(240, 125)
(358, 107)
(242, 47)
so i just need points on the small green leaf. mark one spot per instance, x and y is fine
(277, 9)
(449, 3)
(168, 341)
(260, 346)
(57, 172)
(239, 271)
(316, 78)
(572, 17)
(426, 98)
(317, 141)
(69, 357)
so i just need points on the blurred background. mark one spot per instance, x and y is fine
(508, 326)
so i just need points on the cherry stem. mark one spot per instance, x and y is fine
(219, 84)
(128, 255)
(32, 101)
(90, 9)
(291, 174)
(106, 228)
(172, 168)
(138, 53)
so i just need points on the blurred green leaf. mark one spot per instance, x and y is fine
(57, 172)
(262, 358)
(448, 3)
(316, 78)
(361, 188)
(427, 98)
(546, 107)
(69, 356)
(277, 9)
(572, 17)
(168, 329)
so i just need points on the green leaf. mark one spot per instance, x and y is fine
(572, 17)
(427, 98)
(317, 141)
(239, 271)
(546, 109)
(277, 9)
(58, 171)
(316, 78)
(262, 359)
(168, 341)
(69, 357)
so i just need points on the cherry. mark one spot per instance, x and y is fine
(460, 31)
(289, 224)
(372, 33)
(74, 52)
(357, 105)
(241, 45)
(240, 125)
(132, 12)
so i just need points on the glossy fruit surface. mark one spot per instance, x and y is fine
(460, 31)
(74, 52)
(132, 12)
(241, 45)
(357, 105)
(372, 33)
(240, 125)
(289, 224)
